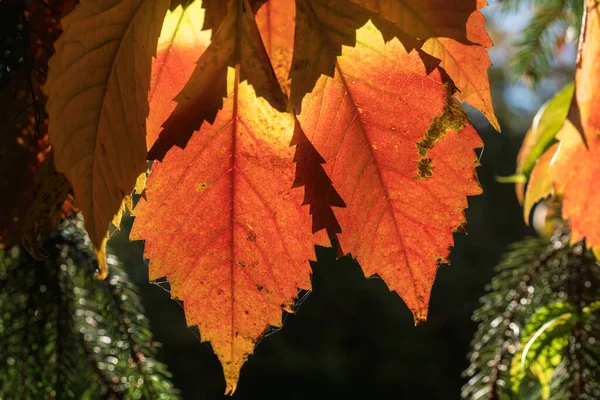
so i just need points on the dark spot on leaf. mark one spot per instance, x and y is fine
(452, 119)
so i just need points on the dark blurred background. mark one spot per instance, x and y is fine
(351, 336)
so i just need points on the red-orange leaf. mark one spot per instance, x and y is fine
(398, 147)
(454, 33)
(220, 219)
(222, 223)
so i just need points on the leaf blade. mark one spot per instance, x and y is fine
(387, 164)
(85, 113)
(454, 32)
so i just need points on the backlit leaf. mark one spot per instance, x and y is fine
(220, 218)
(236, 41)
(398, 148)
(97, 123)
(180, 45)
(222, 223)
(453, 32)
(546, 124)
(276, 21)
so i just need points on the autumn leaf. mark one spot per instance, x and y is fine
(454, 32)
(397, 147)
(220, 219)
(222, 223)
(276, 20)
(179, 46)
(583, 113)
(236, 41)
(97, 123)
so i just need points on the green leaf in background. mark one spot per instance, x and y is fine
(546, 124)
(543, 341)
(541, 135)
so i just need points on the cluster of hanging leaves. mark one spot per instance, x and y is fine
(273, 126)
(559, 156)
(65, 334)
(294, 123)
(539, 325)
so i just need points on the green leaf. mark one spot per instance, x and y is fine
(543, 340)
(546, 124)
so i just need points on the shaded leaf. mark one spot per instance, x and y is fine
(397, 147)
(276, 21)
(97, 124)
(46, 211)
(319, 192)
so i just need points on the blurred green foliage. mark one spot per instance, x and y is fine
(66, 335)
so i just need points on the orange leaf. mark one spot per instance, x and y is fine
(220, 219)
(180, 45)
(222, 223)
(453, 31)
(575, 174)
(397, 147)
(586, 102)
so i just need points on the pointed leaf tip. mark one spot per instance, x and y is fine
(392, 141)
